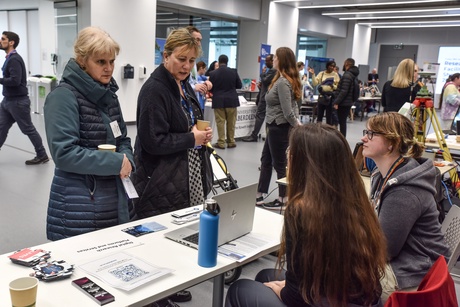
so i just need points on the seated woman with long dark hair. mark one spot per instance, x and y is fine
(332, 246)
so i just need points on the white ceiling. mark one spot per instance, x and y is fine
(386, 13)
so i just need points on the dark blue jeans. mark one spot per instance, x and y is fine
(274, 156)
(17, 110)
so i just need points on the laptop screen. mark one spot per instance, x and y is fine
(453, 125)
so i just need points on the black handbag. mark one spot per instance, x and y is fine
(324, 99)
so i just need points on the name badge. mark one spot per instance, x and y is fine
(115, 129)
(129, 188)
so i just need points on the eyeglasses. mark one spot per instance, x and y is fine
(370, 134)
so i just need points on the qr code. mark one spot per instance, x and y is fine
(128, 272)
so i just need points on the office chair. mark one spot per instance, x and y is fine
(436, 289)
(451, 229)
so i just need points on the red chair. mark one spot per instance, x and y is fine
(437, 289)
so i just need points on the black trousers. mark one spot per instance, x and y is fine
(253, 293)
(274, 156)
(320, 113)
(260, 117)
(342, 114)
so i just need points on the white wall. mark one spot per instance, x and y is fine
(361, 41)
(250, 37)
(134, 31)
(282, 26)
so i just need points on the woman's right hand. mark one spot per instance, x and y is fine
(311, 70)
(126, 168)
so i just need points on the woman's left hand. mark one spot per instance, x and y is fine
(126, 168)
(276, 286)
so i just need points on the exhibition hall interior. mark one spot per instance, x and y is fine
(377, 34)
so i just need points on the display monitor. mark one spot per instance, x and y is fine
(453, 126)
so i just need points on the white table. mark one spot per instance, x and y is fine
(245, 119)
(155, 249)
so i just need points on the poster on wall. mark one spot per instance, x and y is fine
(449, 63)
(264, 51)
(159, 47)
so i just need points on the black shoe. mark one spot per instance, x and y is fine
(163, 303)
(38, 160)
(274, 205)
(260, 201)
(249, 138)
(181, 296)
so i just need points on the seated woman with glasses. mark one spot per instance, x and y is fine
(402, 193)
(332, 245)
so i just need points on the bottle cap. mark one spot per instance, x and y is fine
(212, 206)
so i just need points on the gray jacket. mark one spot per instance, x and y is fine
(281, 104)
(409, 218)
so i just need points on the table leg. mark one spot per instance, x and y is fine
(218, 291)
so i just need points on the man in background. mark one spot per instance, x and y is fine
(225, 100)
(266, 78)
(373, 77)
(15, 107)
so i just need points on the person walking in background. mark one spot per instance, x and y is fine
(403, 195)
(201, 87)
(344, 99)
(450, 97)
(320, 262)
(402, 88)
(266, 78)
(82, 113)
(282, 115)
(225, 100)
(15, 106)
(327, 81)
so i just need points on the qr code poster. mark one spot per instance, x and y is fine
(128, 272)
(124, 271)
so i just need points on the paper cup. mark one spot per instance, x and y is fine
(23, 292)
(202, 124)
(107, 147)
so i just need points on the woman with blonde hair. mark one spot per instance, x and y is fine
(403, 195)
(282, 114)
(81, 113)
(402, 88)
(332, 246)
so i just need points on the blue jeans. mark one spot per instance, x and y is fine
(17, 110)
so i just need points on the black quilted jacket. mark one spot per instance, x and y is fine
(161, 149)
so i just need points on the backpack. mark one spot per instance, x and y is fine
(355, 89)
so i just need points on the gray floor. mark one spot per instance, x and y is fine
(24, 194)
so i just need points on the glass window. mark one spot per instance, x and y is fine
(310, 46)
(219, 36)
(65, 15)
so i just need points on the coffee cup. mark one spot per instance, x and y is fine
(23, 292)
(107, 147)
(202, 124)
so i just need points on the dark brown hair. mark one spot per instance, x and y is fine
(288, 69)
(337, 248)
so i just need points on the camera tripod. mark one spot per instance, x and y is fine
(424, 109)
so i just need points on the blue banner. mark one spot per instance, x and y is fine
(264, 51)
(159, 47)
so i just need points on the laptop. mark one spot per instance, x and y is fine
(236, 218)
(453, 126)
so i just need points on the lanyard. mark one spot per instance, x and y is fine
(187, 106)
(382, 184)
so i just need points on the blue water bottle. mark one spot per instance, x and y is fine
(209, 232)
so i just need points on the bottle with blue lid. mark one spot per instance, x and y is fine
(208, 234)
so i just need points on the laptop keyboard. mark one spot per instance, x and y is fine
(192, 238)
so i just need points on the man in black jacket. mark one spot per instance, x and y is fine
(15, 106)
(225, 101)
(344, 95)
(266, 78)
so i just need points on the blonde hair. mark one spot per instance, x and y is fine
(94, 41)
(181, 38)
(399, 131)
(404, 74)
